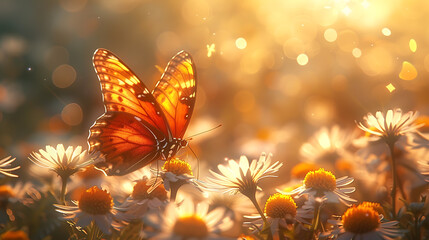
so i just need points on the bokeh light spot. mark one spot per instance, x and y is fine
(330, 35)
(413, 45)
(64, 76)
(356, 52)
(386, 32)
(72, 114)
(241, 43)
(302, 59)
(408, 71)
(347, 10)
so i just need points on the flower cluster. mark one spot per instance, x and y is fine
(325, 196)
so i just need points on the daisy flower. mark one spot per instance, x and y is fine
(175, 173)
(95, 205)
(190, 221)
(243, 177)
(323, 184)
(64, 162)
(5, 167)
(364, 222)
(20, 192)
(390, 126)
(142, 200)
(281, 213)
(328, 143)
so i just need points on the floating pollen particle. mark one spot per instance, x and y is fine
(390, 87)
(210, 49)
(413, 45)
(408, 71)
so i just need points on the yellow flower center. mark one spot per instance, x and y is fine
(376, 206)
(95, 201)
(190, 227)
(177, 167)
(279, 206)
(6, 192)
(90, 172)
(14, 235)
(301, 169)
(320, 180)
(140, 191)
(360, 219)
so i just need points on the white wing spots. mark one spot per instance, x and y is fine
(137, 118)
(146, 91)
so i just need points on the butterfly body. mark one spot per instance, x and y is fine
(139, 126)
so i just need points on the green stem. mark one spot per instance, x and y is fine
(393, 193)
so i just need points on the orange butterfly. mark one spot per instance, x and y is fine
(139, 127)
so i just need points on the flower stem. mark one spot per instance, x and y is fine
(255, 203)
(93, 232)
(174, 186)
(64, 180)
(316, 218)
(394, 177)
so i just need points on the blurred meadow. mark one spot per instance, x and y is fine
(272, 73)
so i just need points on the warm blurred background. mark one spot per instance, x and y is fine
(271, 72)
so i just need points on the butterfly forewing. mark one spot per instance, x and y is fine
(124, 92)
(176, 92)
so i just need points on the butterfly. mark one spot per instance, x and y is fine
(139, 126)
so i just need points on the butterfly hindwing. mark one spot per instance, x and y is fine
(176, 93)
(124, 92)
(127, 142)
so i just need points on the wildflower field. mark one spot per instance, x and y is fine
(201, 119)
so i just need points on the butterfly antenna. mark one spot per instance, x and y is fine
(198, 162)
(211, 129)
